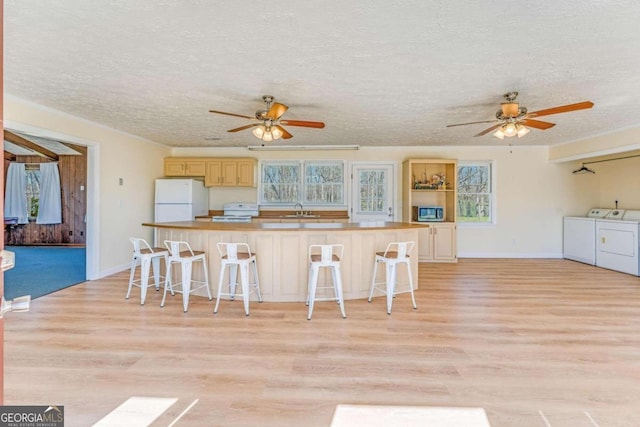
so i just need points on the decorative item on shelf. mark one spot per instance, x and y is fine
(439, 180)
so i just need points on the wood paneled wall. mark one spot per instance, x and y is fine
(73, 183)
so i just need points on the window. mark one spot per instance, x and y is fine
(317, 183)
(32, 173)
(475, 192)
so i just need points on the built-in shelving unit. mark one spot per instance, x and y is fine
(432, 182)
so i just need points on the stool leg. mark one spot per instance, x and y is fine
(133, 271)
(167, 273)
(220, 282)
(244, 281)
(145, 266)
(233, 280)
(255, 276)
(313, 281)
(337, 282)
(167, 283)
(206, 277)
(391, 284)
(186, 283)
(373, 279)
(155, 261)
(413, 298)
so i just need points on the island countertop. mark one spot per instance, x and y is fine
(282, 252)
(285, 226)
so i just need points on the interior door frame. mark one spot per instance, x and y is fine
(391, 185)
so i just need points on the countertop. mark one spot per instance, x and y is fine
(286, 226)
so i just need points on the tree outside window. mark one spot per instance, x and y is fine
(475, 198)
(33, 190)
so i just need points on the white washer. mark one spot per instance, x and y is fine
(617, 243)
(579, 236)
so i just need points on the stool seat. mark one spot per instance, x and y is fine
(328, 256)
(237, 256)
(181, 253)
(395, 253)
(148, 257)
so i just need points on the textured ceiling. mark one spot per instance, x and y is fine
(377, 73)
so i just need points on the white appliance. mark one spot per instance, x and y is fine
(579, 236)
(238, 212)
(617, 243)
(180, 200)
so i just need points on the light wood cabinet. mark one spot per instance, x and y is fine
(437, 243)
(183, 166)
(421, 186)
(230, 172)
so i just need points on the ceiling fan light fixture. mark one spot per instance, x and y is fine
(267, 136)
(499, 133)
(276, 133)
(509, 130)
(522, 130)
(259, 131)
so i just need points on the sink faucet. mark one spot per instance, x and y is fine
(299, 212)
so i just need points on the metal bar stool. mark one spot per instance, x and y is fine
(181, 253)
(236, 255)
(395, 253)
(147, 256)
(329, 256)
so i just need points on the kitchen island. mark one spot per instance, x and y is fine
(282, 250)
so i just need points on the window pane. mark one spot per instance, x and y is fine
(372, 191)
(474, 193)
(324, 183)
(280, 183)
(33, 191)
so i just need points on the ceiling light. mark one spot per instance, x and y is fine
(499, 133)
(509, 129)
(259, 131)
(267, 137)
(522, 130)
(277, 133)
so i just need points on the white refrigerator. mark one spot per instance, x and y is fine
(180, 200)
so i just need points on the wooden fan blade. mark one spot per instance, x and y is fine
(276, 111)
(471, 123)
(537, 124)
(562, 109)
(231, 114)
(491, 129)
(244, 127)
(285, 134)
(302, 123)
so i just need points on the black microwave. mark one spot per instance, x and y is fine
(428, 213)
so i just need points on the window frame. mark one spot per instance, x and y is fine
(492, 193)
(302, 183)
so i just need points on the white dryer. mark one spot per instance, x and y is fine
(579, 236)
(617, 243)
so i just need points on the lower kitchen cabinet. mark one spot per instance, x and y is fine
(438, 243)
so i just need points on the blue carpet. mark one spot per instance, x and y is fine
(40, 270)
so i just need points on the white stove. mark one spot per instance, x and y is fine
(238, 212)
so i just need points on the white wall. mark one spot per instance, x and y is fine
(115, 212)
(532, 194)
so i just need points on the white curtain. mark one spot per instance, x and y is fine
(15, 199)
(50, 204)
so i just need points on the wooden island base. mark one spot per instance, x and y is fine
(282, 251)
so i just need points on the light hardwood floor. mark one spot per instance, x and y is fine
(533, 342)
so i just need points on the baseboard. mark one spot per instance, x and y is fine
(509, 255)
(113, 270)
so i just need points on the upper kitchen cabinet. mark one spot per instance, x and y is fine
(184, 166)
(230, 172)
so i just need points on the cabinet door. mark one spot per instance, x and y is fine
(174, 167)
(444, 242)
(425, 244)
(213, 173)
(195, 168)
(245, 173)
(229, 173)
